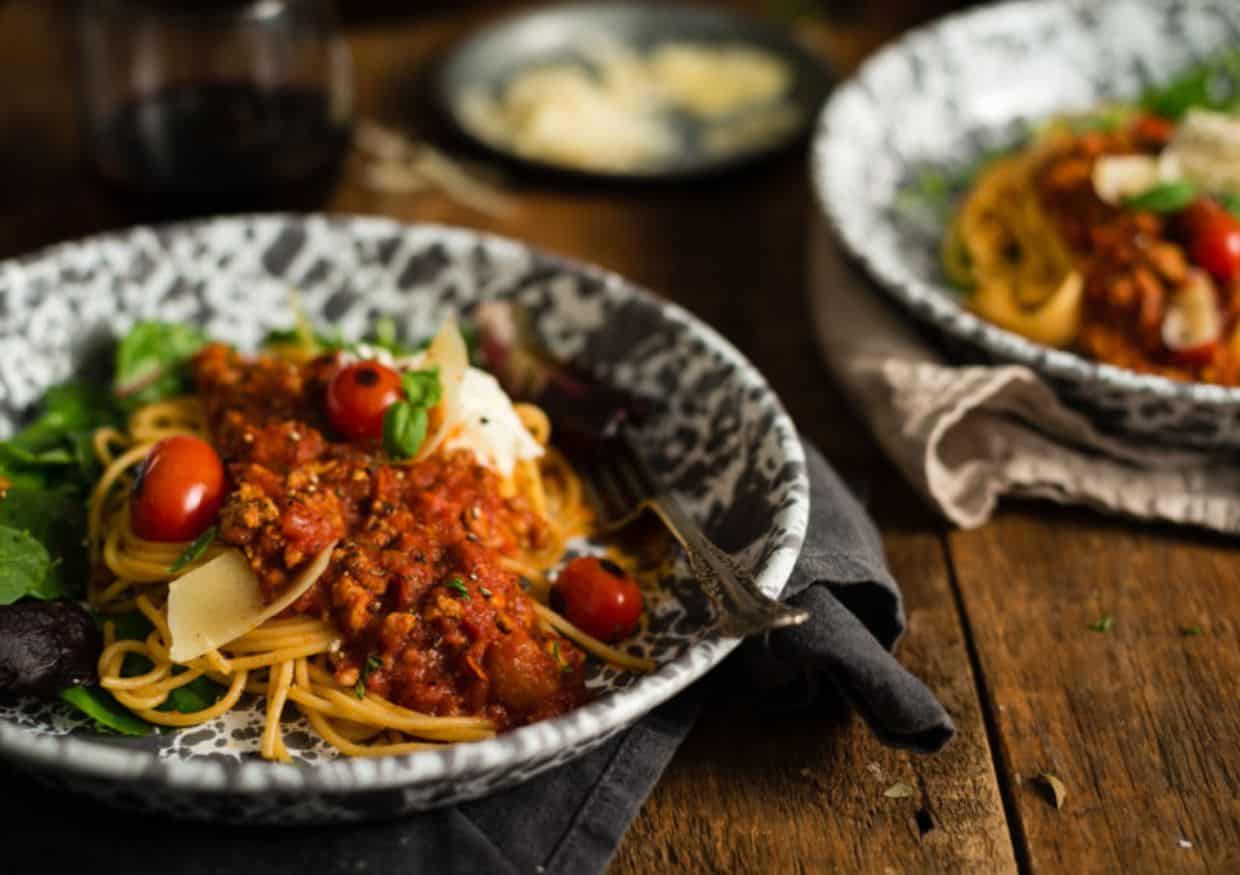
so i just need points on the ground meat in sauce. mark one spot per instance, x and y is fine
(416, 577)
(1133, 262)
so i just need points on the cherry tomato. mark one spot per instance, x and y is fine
(1214, 239)
(359, 395)
(596, 596)
(179, 491)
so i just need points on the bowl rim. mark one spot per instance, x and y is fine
(934, 302)
(89, 757)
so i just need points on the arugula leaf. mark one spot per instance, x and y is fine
(1212, 84)
(151, 360)
(55, 449)
(194, 551)
(56, 519)
(25, 567)
(404, 429)
(1166, 197)
(98, 704)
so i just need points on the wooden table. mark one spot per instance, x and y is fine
(1141, 723)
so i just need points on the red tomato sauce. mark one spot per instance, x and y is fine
(416, 577)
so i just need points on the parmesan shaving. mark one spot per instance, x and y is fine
(617, 113)
(220, 601)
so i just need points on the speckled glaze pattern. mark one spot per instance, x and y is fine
(947, 94)
(719, 438)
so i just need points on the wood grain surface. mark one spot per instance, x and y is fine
(1141, 723)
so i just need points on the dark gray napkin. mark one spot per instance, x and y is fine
(567, 821)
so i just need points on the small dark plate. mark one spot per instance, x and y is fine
(495, 54)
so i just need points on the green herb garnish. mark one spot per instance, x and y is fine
(151, 362)
(194, 551)
(1166, 197)
(373, 664)
(458, 586)
(405, 422)
(1212, 84)
(1103, 624)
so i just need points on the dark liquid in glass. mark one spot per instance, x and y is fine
(224, 145)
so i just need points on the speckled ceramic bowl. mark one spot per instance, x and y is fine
(720, 439)
(948, 93)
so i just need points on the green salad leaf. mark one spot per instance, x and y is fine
(25, 568)
(1212, 84)
(56, 520)
(98, 704)
(151, 362)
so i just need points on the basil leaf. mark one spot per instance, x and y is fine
(404, 429)
(422, 388)
(1166, 197)
(25, 568)
(97, 704)
(194, 551)
(151, 362)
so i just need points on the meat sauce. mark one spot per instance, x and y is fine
(416, 580)
(1133, 261)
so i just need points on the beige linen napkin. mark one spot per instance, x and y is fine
(966, 435)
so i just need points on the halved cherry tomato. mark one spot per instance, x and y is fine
(1214, 236)
(596, 596)
(359, 395)
(179, 491)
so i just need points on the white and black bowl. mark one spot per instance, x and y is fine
(719, 438)
(951, 92)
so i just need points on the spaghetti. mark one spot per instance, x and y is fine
(308, 656)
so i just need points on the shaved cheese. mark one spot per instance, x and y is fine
(489, 426)
(220, 601)
(448, 353)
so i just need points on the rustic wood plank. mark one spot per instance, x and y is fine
(1141, 723)
(756, 791)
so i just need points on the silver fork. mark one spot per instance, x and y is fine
(623, 486)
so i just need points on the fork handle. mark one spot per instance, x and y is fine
(750, 610)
